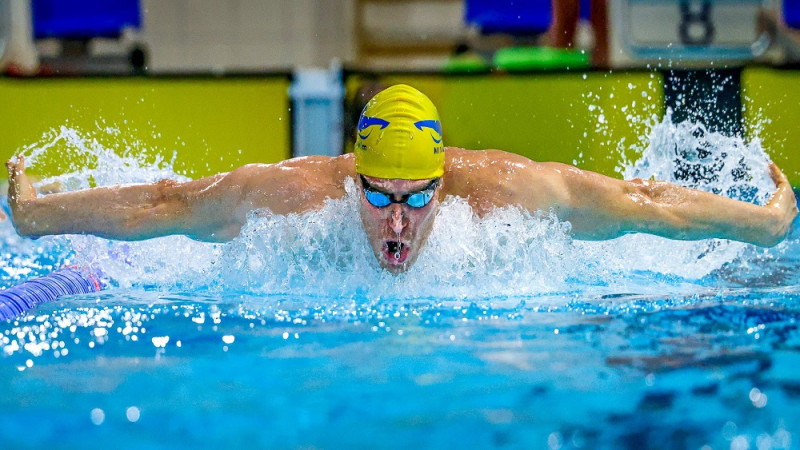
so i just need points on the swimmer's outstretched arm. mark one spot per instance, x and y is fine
(210, 209)
(601, 207)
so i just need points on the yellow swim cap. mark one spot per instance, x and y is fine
(399, 136)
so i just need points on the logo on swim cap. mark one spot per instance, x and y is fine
(367, 122)
(434, 125)
(400, 136)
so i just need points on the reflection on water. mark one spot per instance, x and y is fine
(707, 369)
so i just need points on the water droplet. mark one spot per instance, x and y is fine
(132, 413)
(97, 416)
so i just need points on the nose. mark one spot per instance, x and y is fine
(397, 219)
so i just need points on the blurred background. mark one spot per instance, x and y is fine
(213, 84)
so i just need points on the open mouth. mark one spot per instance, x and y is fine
(395, 252)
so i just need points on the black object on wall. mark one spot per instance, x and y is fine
(712, 97)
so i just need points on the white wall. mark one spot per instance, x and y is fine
(246, 35)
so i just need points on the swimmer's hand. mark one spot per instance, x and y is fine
(783, 204)
(20, 187)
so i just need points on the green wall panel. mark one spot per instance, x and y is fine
(771, 100)
(217, 124)
(213, 124)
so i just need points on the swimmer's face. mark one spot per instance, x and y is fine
(397, 232)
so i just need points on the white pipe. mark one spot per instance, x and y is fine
(17, 48)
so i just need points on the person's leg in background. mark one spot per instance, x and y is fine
(598, 17)
(564, 24)
(566, 14)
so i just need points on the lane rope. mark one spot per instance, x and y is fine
(19, 299)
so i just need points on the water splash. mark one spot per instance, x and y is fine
(102, 157)
(690, 155)
(325, 253)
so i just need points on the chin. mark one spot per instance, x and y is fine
(395, 269)
(394, 266)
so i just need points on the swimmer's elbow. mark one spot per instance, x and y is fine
(220, 236)
(769, 241)
(777, 230)
(27, 229)
(24, 220)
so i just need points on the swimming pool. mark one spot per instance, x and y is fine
(505, 333)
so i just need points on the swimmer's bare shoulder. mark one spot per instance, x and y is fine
(491, 179)
(296, 185)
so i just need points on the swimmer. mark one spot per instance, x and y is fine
(403, 172)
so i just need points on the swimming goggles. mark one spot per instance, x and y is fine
(416, 199)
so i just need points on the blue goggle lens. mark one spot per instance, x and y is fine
(415, 200)
(377, 199)
(420, 199)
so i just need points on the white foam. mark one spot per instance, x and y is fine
(326, 253)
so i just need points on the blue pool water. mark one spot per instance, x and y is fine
(506, 333)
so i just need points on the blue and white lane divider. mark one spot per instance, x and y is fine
(19, 299)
